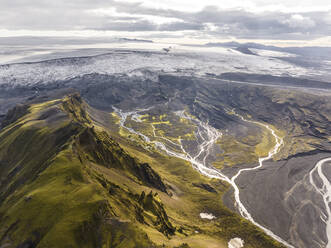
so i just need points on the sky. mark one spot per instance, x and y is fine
(304, 22)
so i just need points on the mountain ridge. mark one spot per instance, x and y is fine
(87, 191)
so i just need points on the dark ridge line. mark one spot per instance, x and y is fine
(305, 154)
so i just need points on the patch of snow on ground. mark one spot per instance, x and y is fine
(207, 216)
(236, 243)
(268, 53)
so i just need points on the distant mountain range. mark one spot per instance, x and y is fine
(313, 51)
(35, 40)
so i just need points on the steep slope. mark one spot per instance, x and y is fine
(65, 182)
(50, 198)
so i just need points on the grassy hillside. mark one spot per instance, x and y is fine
(68, 181)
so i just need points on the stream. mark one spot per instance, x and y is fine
(207, 135)
(325, 191)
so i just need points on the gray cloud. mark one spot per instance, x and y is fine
(180, 26)
(244, 24)
(68, 15)
(136, 25)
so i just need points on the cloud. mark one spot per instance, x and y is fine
(298, 21)
(129, 16)
(136, 25)
(180, 26)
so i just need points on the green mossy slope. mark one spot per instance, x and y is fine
(66, 182)
(49, 196)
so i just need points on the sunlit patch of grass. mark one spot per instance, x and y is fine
(167, 126)
(266, 144)
(235, 151)
(40, 106)
(161, 122)
(115, 118)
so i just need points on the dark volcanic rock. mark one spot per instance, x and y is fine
(107, 152)
(287, 204)
(14, 114)
(275, 80)
(245, 50)
(149, 176)
(151, 204)
(205, 186)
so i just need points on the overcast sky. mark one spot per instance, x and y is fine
(303, 20)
